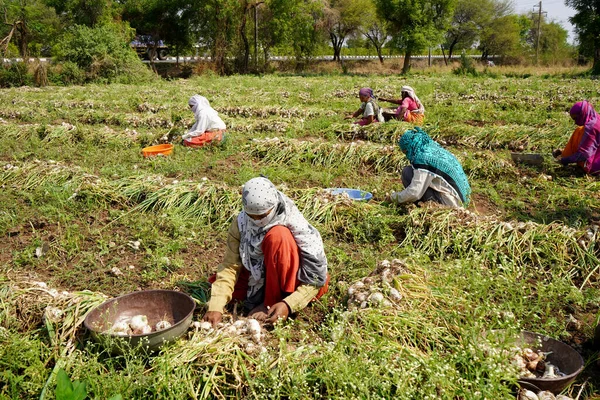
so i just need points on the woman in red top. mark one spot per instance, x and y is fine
(410, 110)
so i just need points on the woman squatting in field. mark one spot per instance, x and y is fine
(274, 262)
(369, 109)
(434, 174)
(209, 127)
(410, 110)
(583, 147)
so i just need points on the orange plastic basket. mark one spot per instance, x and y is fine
(160, 149)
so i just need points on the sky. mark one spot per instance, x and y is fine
(557, 12)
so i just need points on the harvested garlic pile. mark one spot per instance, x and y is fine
(377, 289)
(247, 330)
(534, 365)
(136, 325)
(525, 394)
(325, 196)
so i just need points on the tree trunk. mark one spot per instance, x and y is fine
(444, 54)
(596, 67)
(23, 41)
(451, 49)
(378, 48)
(406, 66)
(220, 41)
(336, 44)
(246, 60)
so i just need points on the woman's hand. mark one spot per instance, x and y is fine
(279, 311)
(214, 317)
(349, 116)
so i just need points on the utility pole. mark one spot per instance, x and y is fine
(539, 31)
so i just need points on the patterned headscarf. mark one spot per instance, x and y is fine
(424, 153)
(585, 113)
(259, 196)
(411, 93)
(366, 92)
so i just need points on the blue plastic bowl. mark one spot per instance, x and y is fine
(354, 194)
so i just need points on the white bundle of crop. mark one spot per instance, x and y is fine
(248, 332)
(380, 288)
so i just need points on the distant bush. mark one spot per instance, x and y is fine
(466, 67)
(15, 75)
(67, 73)
(102, 53)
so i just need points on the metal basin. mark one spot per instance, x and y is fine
(528, 158)
(566, 358)
(175, 307)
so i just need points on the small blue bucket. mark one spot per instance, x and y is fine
(354, 194)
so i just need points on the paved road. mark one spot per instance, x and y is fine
(171, 60)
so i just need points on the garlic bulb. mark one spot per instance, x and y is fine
(376, 298)
(395, 294)
(253, 327)
(527, 395)
(138, 322)
(160, 325)
(205, 325)
(546, 395)
(120, 328)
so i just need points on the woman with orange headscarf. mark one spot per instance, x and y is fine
(583, 147)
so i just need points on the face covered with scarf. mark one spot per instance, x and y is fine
(408, 91)
(264, 208)
(582, 113)
(198, 103)
(424, 153)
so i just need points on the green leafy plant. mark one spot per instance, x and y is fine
(67, 389)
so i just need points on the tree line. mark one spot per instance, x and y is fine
(240, 35)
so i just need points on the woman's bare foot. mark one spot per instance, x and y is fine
(259, 313)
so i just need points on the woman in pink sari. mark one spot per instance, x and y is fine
(410, 107)
(583, 147)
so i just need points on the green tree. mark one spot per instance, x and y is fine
(342, 18)
(291, 25)
(168, 20)
(85, 12)
(30, 24)
(587, 26)
(553, 46)
(103, 52)
(505, 37)
(416, 24)
(374, 28)
(470, 19)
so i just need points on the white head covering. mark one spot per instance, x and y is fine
(198, 103)
(411, 93)
(207, 119)
(259, 195)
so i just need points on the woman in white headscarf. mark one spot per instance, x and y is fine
(208, 126)
(274, 262)
(410, 110)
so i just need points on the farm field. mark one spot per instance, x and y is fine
(77, 194)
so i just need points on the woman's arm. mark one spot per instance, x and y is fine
(415, 191)
(228, 271)
(586, 151)
(355, 114)
(394, 101)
